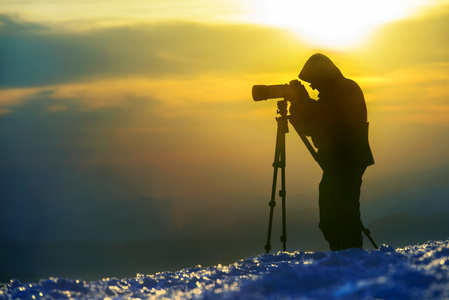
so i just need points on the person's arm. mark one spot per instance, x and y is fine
(303, 109)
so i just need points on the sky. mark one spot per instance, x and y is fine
(134, 120)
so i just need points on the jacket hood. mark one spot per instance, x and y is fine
(319, 68)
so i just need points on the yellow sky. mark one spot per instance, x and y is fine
(334, 23)
(165, 86)
(323, 22)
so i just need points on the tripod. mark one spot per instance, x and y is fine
(279, 162)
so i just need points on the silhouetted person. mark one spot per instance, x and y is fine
(337, 124)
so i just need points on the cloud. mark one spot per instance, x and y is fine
(403, 96)
(12, 24)
(106, 126)
(31, 57)
(403, 70)
(54, 189)
(35, 55)
(410, 42)
(102, 172)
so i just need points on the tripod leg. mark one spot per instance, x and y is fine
(272, 203)
(282, 194)
(279, 162)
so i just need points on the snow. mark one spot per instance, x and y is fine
(413, 272)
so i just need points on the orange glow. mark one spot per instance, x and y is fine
(199, 115)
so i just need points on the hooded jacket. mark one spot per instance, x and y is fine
(337, 122)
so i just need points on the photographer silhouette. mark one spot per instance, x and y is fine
(337, 124)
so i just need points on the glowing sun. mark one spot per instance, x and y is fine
(332, 23)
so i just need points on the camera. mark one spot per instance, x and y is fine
(265, 92)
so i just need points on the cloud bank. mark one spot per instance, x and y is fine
(33, 55)
(103, 128)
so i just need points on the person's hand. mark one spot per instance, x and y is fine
(297, 92)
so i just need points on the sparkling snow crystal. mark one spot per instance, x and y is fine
(414, 272)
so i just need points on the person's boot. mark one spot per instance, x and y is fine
(352, 239)
(335, 246)
(333, 237)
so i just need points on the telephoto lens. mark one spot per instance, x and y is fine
(264, 92)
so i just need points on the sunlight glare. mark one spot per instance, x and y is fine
(332, 23)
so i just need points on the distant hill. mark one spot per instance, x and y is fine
(399, 230)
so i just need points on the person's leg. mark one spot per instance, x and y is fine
(350, 204)
(330, 223)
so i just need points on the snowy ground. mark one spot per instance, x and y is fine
(414, 272)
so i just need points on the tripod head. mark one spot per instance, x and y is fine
(282, 107)
(283, 119)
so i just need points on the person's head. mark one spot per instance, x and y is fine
(319, 71)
